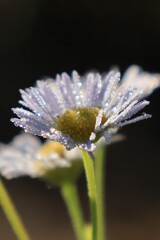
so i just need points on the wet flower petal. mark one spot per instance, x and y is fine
(78, 111)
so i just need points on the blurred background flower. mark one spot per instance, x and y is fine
(26, 155)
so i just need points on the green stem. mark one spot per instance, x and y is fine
(11, 214)
(92, 192)
(100, 181)
(70, 196)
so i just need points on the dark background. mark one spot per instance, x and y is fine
(42, 38)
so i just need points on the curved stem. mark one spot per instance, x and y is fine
(70, 196)
(88, 231)
(100, 181)
(92, 192)
(11, 214)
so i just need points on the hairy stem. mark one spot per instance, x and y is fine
(92, 192)
(100, 181)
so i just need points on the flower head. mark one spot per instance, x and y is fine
(78, 111)
(27, 156)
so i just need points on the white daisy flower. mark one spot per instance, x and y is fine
(27, 156)
(78, 111)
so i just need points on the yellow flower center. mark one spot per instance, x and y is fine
(78, 123)
(52, 147)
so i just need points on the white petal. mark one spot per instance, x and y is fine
(89, 147)
(142, 80)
